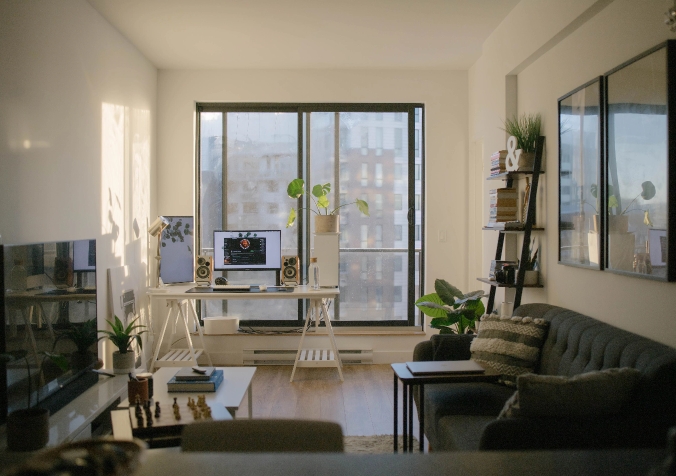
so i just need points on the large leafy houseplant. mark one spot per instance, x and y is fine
(319, 196)
(451, 310)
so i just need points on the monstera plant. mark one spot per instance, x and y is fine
(451, 310)
(319, 195)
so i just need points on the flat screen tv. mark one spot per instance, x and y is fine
(48, 299)
(247, 250)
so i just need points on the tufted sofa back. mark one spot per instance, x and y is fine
(577, 343)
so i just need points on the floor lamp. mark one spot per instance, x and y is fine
(155, 229)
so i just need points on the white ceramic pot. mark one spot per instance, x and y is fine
(123, 363)
(327, 223)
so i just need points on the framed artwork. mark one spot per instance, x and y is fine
(176, 249)
(580, 146)
(640, 184)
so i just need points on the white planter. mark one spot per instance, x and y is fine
(123, 363)
(327, 223)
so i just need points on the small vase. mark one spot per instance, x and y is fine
(27, 429)
(530, 277)
(123, 363)
(526, 161)
(327, 223)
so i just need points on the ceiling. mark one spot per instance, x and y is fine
(307, 34)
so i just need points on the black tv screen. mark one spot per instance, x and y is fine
(48, 300)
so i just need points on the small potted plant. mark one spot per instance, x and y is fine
(526, 129)
(619, 223)
(451, 310)
(326, 219)
(123, 337)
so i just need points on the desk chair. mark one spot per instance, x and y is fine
(263, 436)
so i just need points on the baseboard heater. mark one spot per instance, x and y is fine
(288, 356)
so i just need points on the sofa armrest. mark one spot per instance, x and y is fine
(444, 347)
(615, 431)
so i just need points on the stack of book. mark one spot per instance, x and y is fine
(188, 380)
(503, 205)
(498, 162)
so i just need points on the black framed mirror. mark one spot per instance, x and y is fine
(639, 167)
(580, 146)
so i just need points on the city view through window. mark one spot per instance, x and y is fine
(363, 155)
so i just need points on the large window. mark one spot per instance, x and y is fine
(248, 153)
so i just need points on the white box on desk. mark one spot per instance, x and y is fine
(326, 250)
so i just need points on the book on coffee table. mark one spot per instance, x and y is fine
(194, 386)
(188, 374)
(445, 367)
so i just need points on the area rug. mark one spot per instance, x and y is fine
(378, 444)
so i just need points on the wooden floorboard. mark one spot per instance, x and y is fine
(362, 404)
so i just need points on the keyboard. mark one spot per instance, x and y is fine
(230, 287)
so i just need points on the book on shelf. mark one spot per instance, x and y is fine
(501, 154)
(195, 386)
(505, 225)
(188, 374)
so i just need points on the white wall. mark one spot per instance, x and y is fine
(554, 47)
(443, 93)
(77, 114)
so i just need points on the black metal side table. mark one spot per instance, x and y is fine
(401, 372)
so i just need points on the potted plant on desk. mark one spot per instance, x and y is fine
(326, 219)
(123, 338)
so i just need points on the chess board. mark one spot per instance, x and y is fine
(165, 424)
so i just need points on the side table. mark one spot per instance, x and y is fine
(401, 372)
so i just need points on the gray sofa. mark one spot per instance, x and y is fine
(464, 416)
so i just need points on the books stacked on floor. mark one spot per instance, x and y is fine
(498, 162)
(188, 379)
(503, 205)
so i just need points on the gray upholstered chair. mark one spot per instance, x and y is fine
(263, 435)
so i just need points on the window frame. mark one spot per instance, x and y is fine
(416, 256)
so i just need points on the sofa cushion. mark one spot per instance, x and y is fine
(509, 345)
(595, 393)
(473, 398)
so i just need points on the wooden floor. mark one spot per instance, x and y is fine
(362, 404)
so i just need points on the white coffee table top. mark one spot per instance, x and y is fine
(230, 393)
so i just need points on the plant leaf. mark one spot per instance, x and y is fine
(363, 207)
(594, 189)
(322, 201)
(473, 296)
(648, 190)
(59, 359)
(292, 218)
(446, 291)
(612, 202)
(321, 190)
(434, 298)
(477, 307)
(646, 218)
(296, 188)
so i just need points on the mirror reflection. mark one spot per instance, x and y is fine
(579, 139)
(637, 171)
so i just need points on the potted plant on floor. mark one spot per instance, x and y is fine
(326, 219)
(123, 338)
(451, 310)
(526, 129)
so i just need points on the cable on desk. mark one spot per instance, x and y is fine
(251, 330)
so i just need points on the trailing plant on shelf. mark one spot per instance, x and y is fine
(451, 310)
(320, 199)
(123, 336)
(526, 129)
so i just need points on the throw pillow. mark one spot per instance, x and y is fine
(509, 345)
(602, 392)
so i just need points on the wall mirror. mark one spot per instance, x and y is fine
(639, 186)
(580, 145)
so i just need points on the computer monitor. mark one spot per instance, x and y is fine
(84, 255)
(247, 250)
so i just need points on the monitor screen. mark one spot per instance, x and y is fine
(84, 255)
(247, 250)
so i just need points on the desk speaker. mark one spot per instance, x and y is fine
(290, 270)
(204, 270)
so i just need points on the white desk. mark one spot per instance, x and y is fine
(177, 299)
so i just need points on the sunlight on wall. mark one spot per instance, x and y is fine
(125, 200)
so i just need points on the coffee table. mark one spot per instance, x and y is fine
(230, 393)
(401, 372)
